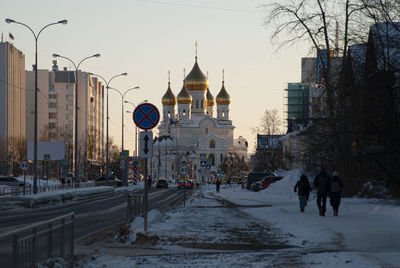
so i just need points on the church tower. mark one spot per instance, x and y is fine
(184, 102)
(223, 101)
(168, 102)
(196, 84)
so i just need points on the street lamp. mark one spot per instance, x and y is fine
(76, 104)
(136, 128)
(122, 114)
(36, 36)
(107, 86)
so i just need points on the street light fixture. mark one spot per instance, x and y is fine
(122, 113)
(76, 104)
(108, 86)
(136, 128)
(36, 36)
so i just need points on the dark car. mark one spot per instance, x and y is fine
(266, 182)
(10, 181)
(161, 184)
(258, 176)
(185, 185)
(112, 180)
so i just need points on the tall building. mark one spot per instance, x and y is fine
(56, 114)
(191, 134)
(12, 103)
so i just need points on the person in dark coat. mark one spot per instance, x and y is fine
(303, 189)
(218, 184)
(336, 193)
(149, 182)
(322, 183)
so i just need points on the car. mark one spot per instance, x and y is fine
(161, 184)
(185, 185)
(266, 182)
(10, 181)
(255, 186)
(111, 180)
(259, 176)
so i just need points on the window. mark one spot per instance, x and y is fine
(221, 158)
(52, 115)
(52, 96)
(206, 131)
(52, 125)
(52, 105)
(212, 159)
(197, 104)
(202, 104)
(184, 113)
(212, 143)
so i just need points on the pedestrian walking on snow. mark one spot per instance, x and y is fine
(303, 189)
(336, 193)
(218, 184)
(322, 183)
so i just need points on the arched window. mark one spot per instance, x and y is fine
(197, 104)
(212, 159)
(169, 114)
(221, 158)
(184, 112)
(212, 143)
(202, 104)
(206, 131)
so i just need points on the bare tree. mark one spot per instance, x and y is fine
(270, 123)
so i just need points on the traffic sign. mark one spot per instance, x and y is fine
(136, 163)
(228, 162)
(184, 159)
(9, 167)
(146, 144)
(203, 163)
(46, 157)
(146, 116)
(123, 156)
(24, 165)
(64, 162)
(184, 169)
(203, 156)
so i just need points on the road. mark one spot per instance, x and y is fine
(90, 216)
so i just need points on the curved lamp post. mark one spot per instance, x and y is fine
(122, 113)
(76, 105)
(136, 128)
(36, 36)
(108, 86)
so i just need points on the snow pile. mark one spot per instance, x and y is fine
(137, 225)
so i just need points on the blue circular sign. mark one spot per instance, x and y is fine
(146, 116)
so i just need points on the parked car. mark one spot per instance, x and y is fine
(255, 186)
(10, 181)
(111, 179)
(266, 182)
(185, 185)
(258, 176)
(161, 184)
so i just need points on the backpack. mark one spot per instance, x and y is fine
(335, 186)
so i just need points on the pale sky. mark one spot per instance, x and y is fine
(146, 38)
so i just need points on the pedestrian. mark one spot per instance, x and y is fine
(336, 192)
(217, 184)
(322, 183)
(303, 189)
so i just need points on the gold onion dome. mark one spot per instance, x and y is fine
(184, 96)
(169, 98)
(196, 80)
(223, 97)
(210, 98)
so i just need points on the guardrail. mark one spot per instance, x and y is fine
(41, 241)
(19, 190)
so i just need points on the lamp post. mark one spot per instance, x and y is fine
(136, 128)
(122, 106)
(108, 86)
(76, 104)
(36, 36)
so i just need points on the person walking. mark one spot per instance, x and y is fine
(322, 183)
(149, 182)
(336, 193)
(303, 189)
(217, 184)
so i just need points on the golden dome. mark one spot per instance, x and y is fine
(210, 98)
(196, 80)
(223, 96)
(169, 98)
(184, 96)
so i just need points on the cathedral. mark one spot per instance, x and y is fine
(194, 139)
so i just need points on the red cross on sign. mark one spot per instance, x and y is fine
(146, 116)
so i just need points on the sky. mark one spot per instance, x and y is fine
(147, 38)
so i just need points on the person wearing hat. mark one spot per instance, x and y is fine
(335, 192)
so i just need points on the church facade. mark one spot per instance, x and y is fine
(195, 137)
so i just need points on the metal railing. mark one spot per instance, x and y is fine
(41, 241)
(21, 190)
(134, 206)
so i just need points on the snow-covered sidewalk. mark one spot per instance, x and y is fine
(263, 229)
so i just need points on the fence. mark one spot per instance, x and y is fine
(19, 190)
(38, 242)
(134, 206)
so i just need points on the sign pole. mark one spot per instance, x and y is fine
(145, 194)
(24, 182)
